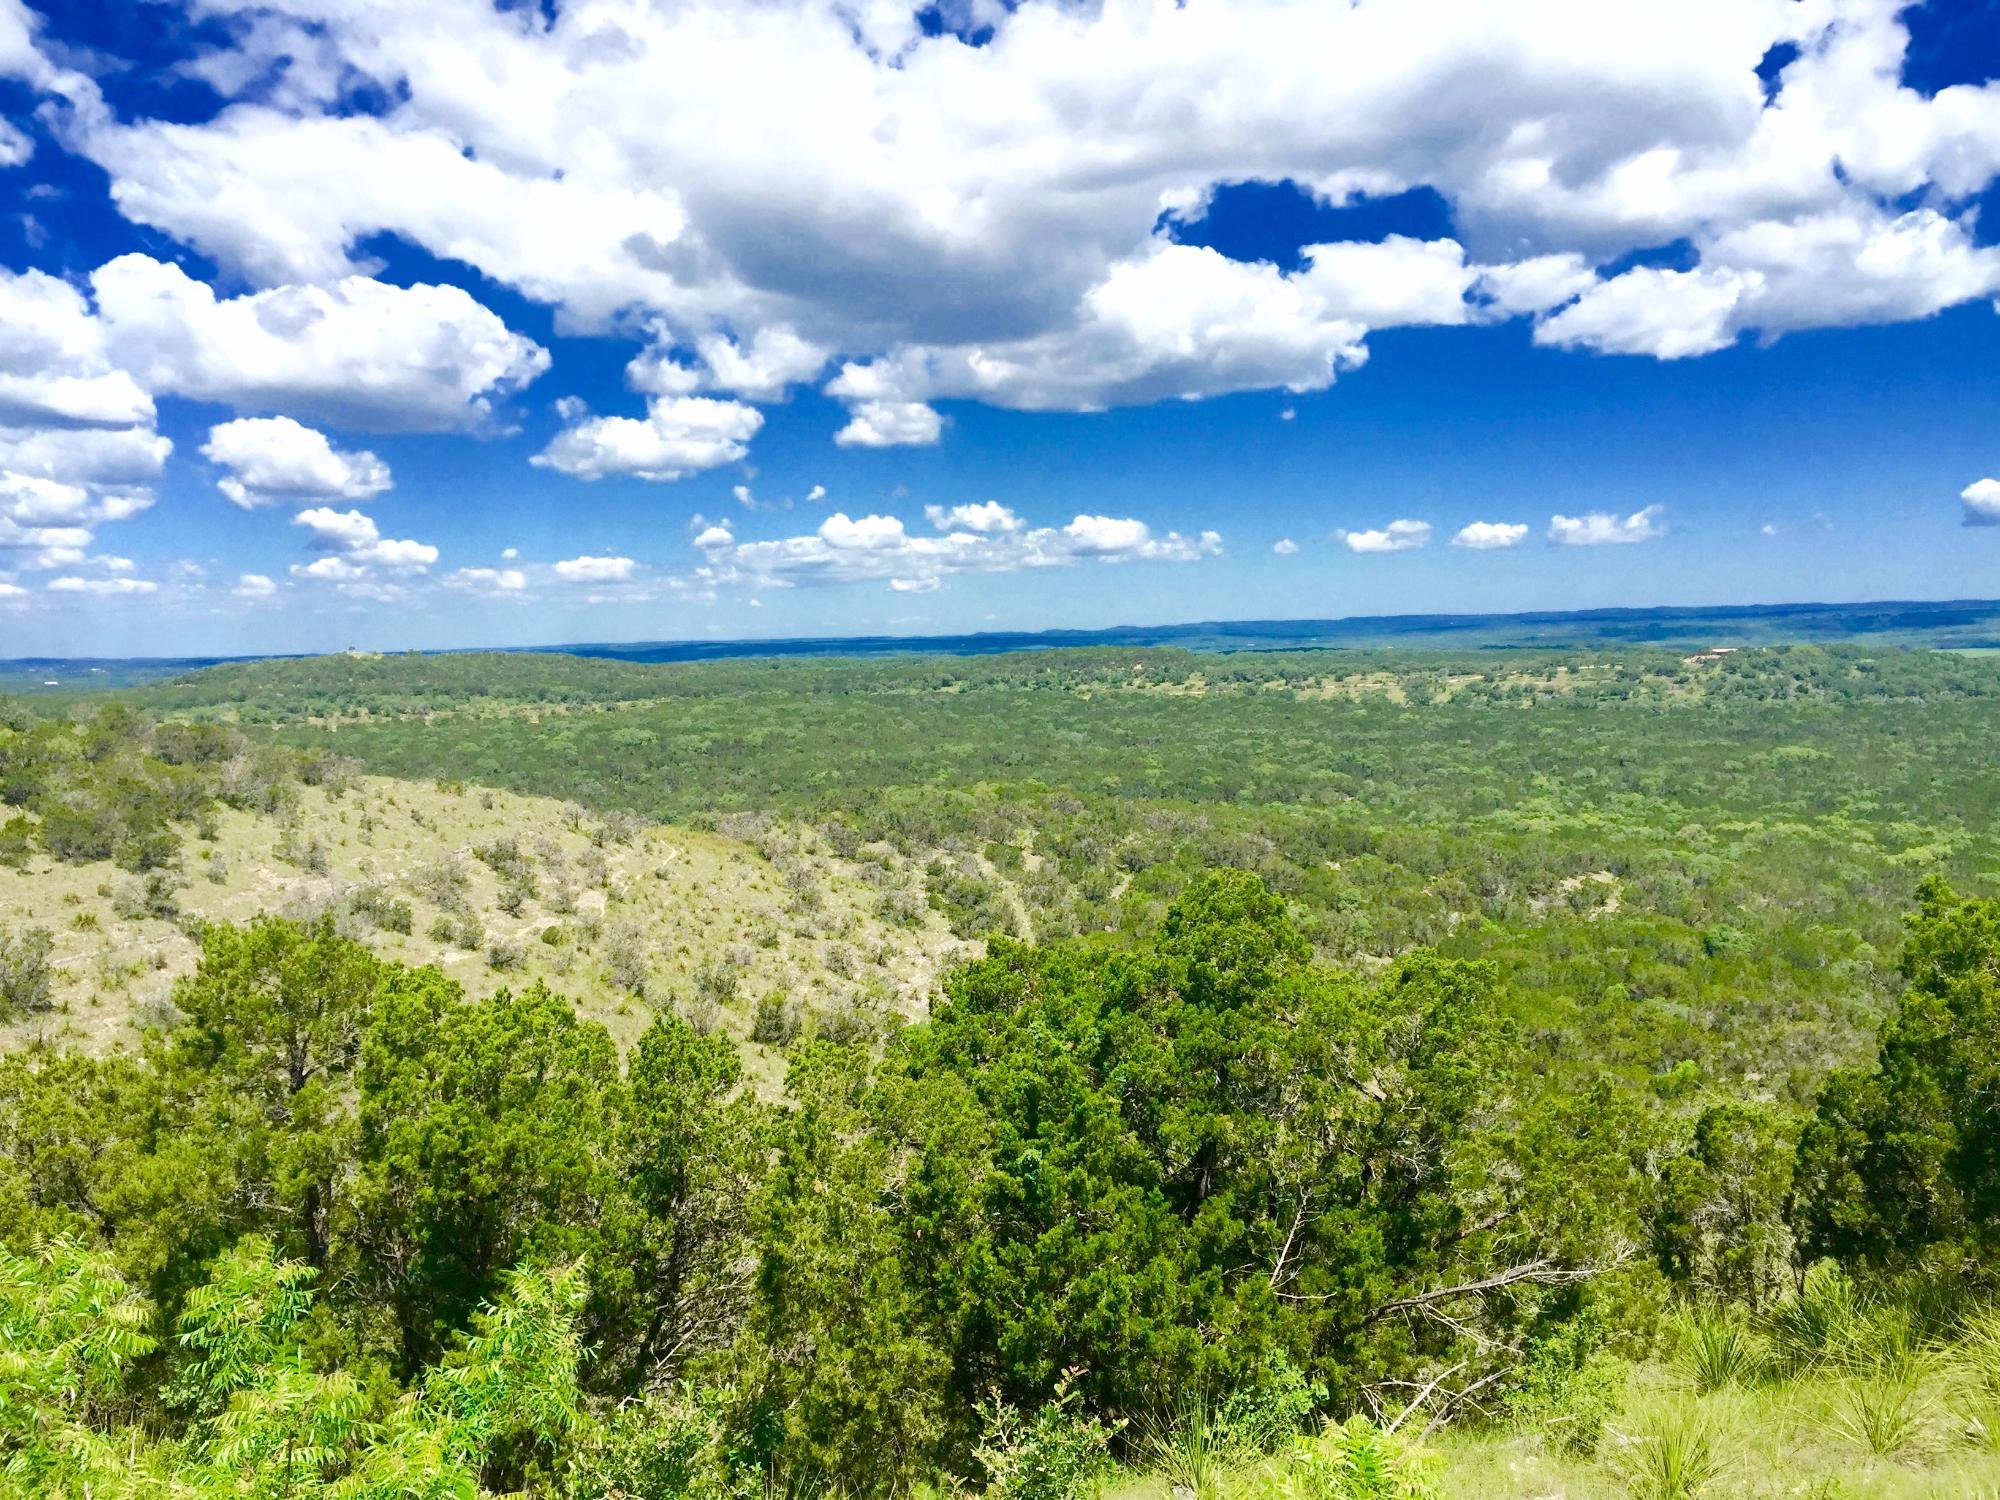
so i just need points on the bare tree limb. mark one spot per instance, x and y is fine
(1539, 1272)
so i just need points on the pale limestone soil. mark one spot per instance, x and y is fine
(715, 924)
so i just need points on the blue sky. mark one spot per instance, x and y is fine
(338, 322)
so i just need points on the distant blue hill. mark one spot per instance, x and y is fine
(1957, 624)
(1960, 623)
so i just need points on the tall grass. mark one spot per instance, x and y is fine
(1886, 1413)
(1716, 1348)
(1804, 1328)
(1673, 1455)
(1194, 1451)
(1975, 1375)
(1878, 1356)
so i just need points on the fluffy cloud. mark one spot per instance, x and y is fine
(988, 517)
(56, 366)
(358, 352)
(109, 459)
(589, 569)
(679, 435)
(489, 580)
(881, 549)
(358, 542)
(1667, 314)
(827, 181)
(1848, 266)
(1982, 502)
(890, 424)
(331, 570)
(1601, 528)
(276, 458)
(1397, 536)
(48, 523)
(1285, 547)
(762, 369)
(254, 586)
(103, 587)
(1489, 536)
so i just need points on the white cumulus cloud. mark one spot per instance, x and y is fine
(827, 184)
(357, 352)
(1601, 528)
(1397, 536)
(276, 458)
(359, 542)
(488, 580)
(679, 435)
(890, 424)
(879, 548)
(1489, 536)
(104, 587)
(1981, 499)
(986, 517)
(589, 569)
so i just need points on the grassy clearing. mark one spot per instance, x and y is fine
(502, 889)
(1780, 1438)
(1789, 1437)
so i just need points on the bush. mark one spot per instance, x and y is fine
(1356, 1461)
(17, 842)
(660, 1446)
(384, 910)
(461, 930)
(1716, 1348)
(1057, 1454)
(1262, 1417)
(26, 980)
(776, 1023)
(1672, 1456)
(1570, 1387)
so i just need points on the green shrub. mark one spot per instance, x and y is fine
(17, 842)
(1057, 1454)
(660, 1445)
(1357, 1460)
(26, 980)
(776, 1023)
(381, 908)
(1570, 1386)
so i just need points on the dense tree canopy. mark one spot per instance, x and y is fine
(1901, 1162)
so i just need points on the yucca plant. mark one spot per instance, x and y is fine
(1194, 1450)
(1975, 1373)
(1803, 1329)
(1673, 1456)
(1885, 1413)
(1716, 1349)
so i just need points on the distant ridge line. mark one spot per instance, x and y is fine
(1624, 625)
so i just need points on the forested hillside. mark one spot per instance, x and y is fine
(1669, 862)
(127, 849)
(1277, 1078)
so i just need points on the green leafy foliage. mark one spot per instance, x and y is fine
(24, 972)
(112, 784)
(1381, 1034)
(267, 1421)
(1902, 1161)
